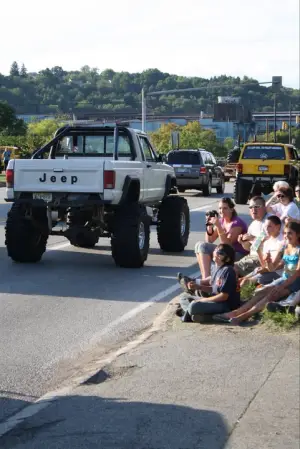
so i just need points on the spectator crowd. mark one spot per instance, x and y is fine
(265, 254)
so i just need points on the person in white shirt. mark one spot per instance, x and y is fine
(267, 249)
(255, 235)
(285, 208)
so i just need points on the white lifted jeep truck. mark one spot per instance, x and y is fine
(94, 181)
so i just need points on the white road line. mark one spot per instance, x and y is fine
(50, 397)
(58, 246)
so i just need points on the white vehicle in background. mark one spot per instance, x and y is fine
(93, 181)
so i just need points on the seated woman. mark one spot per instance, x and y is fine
(227, 229)
(223, 284)
(289, 259)
(285, 208)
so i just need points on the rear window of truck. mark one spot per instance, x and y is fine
(264, 152)
(184, 158)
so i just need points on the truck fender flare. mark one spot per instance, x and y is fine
(131, 190)
(170, 182)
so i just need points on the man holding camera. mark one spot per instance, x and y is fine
(254, 237)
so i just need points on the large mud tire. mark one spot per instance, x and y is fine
(26, 238)
(173, 224)
(241, 191)
(130, 236)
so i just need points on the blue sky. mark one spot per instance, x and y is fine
(257, 38)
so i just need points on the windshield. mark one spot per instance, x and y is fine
(184, 157)
(264, 152)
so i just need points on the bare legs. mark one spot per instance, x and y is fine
(204, 261)
(255, 305)
(259, 306)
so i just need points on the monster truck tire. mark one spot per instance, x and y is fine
(233, 156)
(173, 224)
(241, 191)
(26, 239)
(130, 236)
(84, 238)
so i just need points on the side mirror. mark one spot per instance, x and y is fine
(161, 158)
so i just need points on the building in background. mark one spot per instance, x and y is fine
(229, 119)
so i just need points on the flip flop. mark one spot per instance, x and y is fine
(221, 319)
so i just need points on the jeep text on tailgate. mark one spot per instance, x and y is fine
(94, 181)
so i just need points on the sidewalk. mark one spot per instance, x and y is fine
(189, 386)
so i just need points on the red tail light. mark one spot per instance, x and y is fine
(239, 168)
(287, 169)
(109, 179)
(202, 169)
(9, 178)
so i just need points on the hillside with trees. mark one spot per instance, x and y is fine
(58, 91)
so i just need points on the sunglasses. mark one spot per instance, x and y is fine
(220, 252)
(255, 207)
(297, 191)
(280, 196)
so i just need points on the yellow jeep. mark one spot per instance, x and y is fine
(260, 165)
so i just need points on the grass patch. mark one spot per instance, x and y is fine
(247, 291)
(2, 177)
(279, 320)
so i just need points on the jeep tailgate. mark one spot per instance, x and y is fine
(262, 167)
(58, 175)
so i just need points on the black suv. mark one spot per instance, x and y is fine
(197, 170)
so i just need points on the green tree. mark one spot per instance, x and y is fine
(23, 71)
(10, 125)
(44, 128)
(14, 69)
(229, 143)
(191, 136)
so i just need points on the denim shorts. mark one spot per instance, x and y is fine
(264, 278)
(208, 248)
(294, 287)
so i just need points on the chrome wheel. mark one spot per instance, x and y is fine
(142, 236)
(182, 223)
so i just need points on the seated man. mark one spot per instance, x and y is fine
(223, 284)
(268, 249)
(254, 237)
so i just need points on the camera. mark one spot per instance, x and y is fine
(211, 213)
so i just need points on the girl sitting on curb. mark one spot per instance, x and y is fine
(223, 285)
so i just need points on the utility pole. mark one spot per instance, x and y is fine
(290, 122)
(275, 117)
(276, 86)
(143, 111)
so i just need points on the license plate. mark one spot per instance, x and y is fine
(42, 196)
(181, 170)
(263, 168)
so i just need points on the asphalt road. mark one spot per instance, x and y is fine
(69, 309)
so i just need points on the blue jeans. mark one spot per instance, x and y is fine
(294, 287)
(192, 307)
